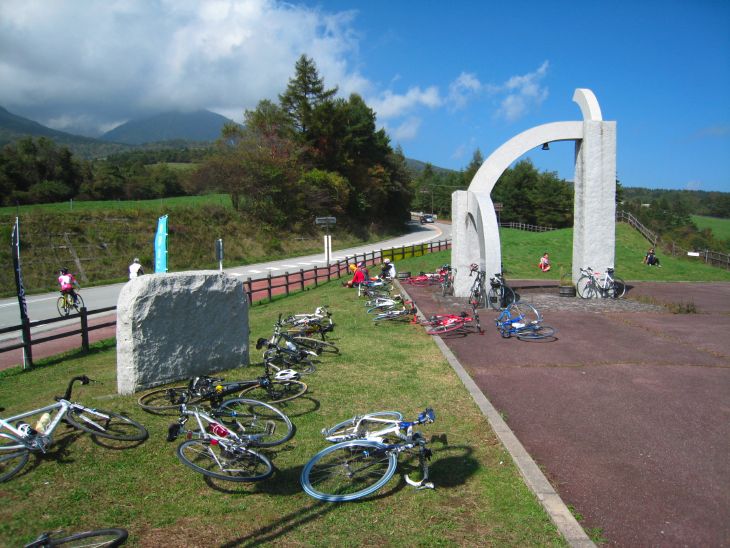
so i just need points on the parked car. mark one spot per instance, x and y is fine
(427, 218)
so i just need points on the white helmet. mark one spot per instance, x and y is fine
(287, 375)
(386, 261)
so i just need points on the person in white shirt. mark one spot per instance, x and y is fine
(388, 270)
(135, 269)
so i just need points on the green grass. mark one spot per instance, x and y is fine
(720, 227)
(480, 498)
(161, 205)
(521, 251)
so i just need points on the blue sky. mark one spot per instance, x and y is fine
(443, 78)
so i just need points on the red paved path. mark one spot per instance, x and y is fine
(627, 413)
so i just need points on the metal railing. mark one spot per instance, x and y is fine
(257, 290)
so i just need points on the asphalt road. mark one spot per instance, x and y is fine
(43, 306)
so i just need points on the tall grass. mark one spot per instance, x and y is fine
(720, 227)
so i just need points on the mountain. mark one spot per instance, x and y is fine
(13, 127)
(417, 166)
(201, 125)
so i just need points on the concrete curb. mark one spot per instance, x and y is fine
(559, 513)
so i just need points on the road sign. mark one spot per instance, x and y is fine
(325, 220)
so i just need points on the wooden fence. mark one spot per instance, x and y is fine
(525, 226)
(258, 290)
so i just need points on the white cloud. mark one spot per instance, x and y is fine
(524, 93)
(108, 60)
(392, 105)
(407, 130)
(462, 88)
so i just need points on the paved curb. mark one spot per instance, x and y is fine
(563, 519)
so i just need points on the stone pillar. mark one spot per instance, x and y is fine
(175, 326)
(594, 233)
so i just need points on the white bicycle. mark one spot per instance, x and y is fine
(18, 438)
(367, 456)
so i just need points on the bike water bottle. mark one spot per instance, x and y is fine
(290, 345)
(218, 430)
(43, 423)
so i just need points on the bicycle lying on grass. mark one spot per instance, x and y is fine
(364, 463)
(220, 446)
(284, 385)
(108, 538)
(18, 438)
(280, 338)
(594, 284)
(524, 322)
(406, 312)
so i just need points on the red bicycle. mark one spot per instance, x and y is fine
(429, 278)
(440, 324)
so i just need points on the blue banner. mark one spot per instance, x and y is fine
(161, 245)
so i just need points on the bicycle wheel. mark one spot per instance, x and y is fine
(281, 361)
(223, 460)
(255, 420)
(586, 288)
(348, 471)
(447, 288)
(106, 424)
(63, 308)
(100, 537)
(79, 304)
(346, 430)
(536, 333)
(317, 345)
(617, 289)
(389, 315)
(274, 391)
(524, 315)
(454, 325)
(494, 298)
(166, 398)
(13, 455)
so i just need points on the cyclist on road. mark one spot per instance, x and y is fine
(67, 282)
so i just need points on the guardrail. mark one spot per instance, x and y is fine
(258, 291)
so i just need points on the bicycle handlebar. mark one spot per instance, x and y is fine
(67, 396)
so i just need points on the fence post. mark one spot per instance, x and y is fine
(329, 272)
(316, 275)
(268, 285)
(286, 280)
(403, 252)
(84, 328)
(301, 278)
(27, 344)
(250, 290)
(339, 269)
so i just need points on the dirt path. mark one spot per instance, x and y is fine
(627, 412)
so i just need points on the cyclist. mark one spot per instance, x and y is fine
(388, 270)
(135, 269)
(67, 282)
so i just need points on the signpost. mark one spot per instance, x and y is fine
(326, 222)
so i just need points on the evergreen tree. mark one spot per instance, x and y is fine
(304, 93)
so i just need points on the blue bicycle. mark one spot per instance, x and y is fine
(524, 322)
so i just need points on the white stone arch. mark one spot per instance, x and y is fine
(595, 188)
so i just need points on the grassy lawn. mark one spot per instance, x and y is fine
(480, 499)
(720, 227)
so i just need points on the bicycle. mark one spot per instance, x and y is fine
(100, 537)
(18, 438)
(440, 324)
(220, 446)
(292, 342)
(66, 303)
(524, 322)
(477, 294)
(447, 284)
(403, 313)
(363, 463)
(500, 295)
(382, 304)
(283, 386)
(592, 284)
(305, 325)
